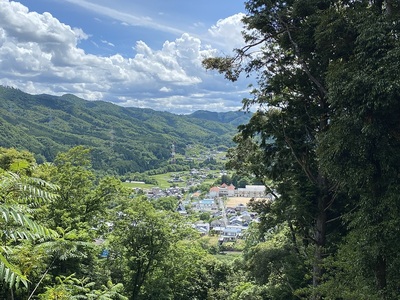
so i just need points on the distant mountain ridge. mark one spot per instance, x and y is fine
(232, 117)
(123, 139)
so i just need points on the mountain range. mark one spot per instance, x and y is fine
(122, 139)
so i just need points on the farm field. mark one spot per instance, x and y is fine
(163, 180)
(235, 201)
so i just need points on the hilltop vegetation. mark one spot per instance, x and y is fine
(122, 139)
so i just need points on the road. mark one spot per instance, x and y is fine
(222, 207)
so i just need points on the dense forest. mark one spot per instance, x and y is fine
(326, 132)
(122, 139)
(324, 139)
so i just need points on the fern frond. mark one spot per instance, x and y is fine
(35, 230)
(10, 274)
(28, 190)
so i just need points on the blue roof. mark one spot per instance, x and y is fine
(207, 201)
(236, 230)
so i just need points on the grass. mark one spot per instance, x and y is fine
(162, 180)
(225, 255)
(210, 240)
(138, 185)
(228, 256)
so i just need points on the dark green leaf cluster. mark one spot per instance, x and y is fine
(326, 134)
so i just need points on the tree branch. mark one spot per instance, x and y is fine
(320, 87)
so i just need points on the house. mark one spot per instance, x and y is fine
(214, 192)
(218, 230)
(230, 211)
(196, 195)
(236, 221)
(241, 208)
(194, 172)
(231, 190)
(222, 191)
(202, 227)
(217, 223)
(181, 209)
(156, 190)
(257, 191)
(205, 205)
(231, 233)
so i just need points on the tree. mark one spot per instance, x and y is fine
(275, 266)
(16, 161)
(140, 241)
(20, 196)
(326, 129)
(360, 151)
(80, 215)
(154, 253)
(292, 109)
(70, 287)
(182, 274)
(165, 203)
(73, 175)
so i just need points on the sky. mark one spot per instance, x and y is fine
(129, 52)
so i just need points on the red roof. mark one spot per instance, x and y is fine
(231, 187)
(214, 189)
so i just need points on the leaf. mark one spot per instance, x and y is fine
(10, 274)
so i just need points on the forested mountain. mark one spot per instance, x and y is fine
(232, 117)
(123, 139)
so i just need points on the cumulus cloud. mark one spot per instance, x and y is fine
(39, 54)
(228, 32)
(165, 89)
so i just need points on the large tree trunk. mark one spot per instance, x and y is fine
(319, 240)
(380, 274)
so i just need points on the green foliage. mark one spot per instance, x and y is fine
(16, 161)
(205, 216)
(153, 253)
(360, 151)
(280, 143)
(165, 203)
(326, 133)
(276, 265)
(83, 200)
(70, 287)
(19, 196)
(181, 275)
(140, 242)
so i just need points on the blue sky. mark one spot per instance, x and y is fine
(132, 53)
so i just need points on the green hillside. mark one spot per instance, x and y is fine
(123, 139)
(232, 117)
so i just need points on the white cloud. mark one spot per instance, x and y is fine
(198, 24)
(125, 17)
(165, 89)
(228, 32)
(39, 54)
(107, 43)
